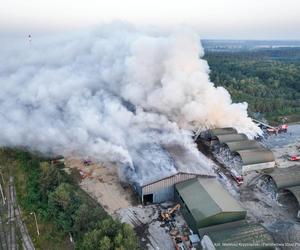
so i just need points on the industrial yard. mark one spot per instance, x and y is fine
(150, 125)
(256, 204)
(201, 203)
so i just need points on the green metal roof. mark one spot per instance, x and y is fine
(223, 131)
(286, 177)
(295, 191)
(255, 156)
(231, 138)
(242, 237)
(243, 145)
(205, 197)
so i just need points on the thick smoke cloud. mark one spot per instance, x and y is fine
(107, 92)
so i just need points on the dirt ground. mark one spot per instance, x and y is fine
(282, 155)
(284, 145)
(103, 184)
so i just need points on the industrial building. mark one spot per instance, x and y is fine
(204, 203)
(251, 153)
(223, 131)
(219, 135)
(241, 237)
(295, 191)
(256, 159)
(243, 145)
(231, 138)
(156, 176)
(287, 179)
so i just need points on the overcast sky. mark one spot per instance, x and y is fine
(232, 19)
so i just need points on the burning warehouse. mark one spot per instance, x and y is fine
(235, 151)
(286, 181)
(158, 169)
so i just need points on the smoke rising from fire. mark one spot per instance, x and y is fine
(106, 92)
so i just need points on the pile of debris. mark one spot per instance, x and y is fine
(227, 158)
(182, 236)
(160, 226)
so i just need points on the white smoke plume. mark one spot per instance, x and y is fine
(107, 92)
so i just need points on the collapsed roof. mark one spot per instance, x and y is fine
(286, 177)
(155, 162)
(296, 192)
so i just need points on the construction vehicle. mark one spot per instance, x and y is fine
(180, 246)
(272, 131)
(167, 215)
(294, 158)
(87, 162)
(56, 160)
(237, 177)
(282, 128)
(84, 174)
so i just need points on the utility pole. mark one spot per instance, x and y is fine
(2, 194)
(36, 224)
(2, 178)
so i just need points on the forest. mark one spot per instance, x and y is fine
(267, 79)
(63, 209)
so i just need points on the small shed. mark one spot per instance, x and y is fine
(241, 237)
(204, 202)
(256, 159)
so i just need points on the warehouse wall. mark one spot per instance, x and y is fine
(164, 190)
(185, 212)
(166, 183)
(164, 194)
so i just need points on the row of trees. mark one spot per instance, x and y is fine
(269, 80)
(57, 199)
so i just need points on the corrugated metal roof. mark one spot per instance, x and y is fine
(286, 177)
(154, 162)
(222, 131)
(255, 236)
(255, 156)
(205, 197)
(231, 138)
(295, 191)
(243, 145)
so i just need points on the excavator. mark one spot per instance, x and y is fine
(167, 215)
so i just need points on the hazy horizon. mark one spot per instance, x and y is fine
(214, 19)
